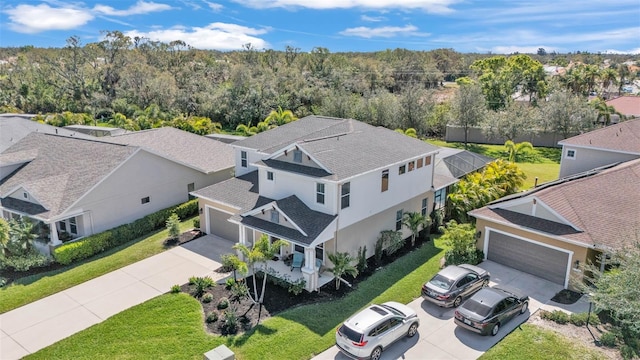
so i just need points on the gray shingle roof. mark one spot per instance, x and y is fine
(63, 170)
(623, 137)
(310, 221)
(604, 204)
(240, 192)
(198, 152)
(346, 147)
(14, 127)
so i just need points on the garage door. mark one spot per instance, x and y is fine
(219, 226)
(530, 257)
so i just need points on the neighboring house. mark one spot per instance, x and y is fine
(14, 127)
(97, 131)
(76, 187)
(551, 230)
(452, 165)
(628, 106)
(324, 185)
(604, 146)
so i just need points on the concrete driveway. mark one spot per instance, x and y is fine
(438, 336)
(37, 325)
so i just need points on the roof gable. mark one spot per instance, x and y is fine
(621, 137)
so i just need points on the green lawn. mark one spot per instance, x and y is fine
(530, 342)
(543, 171)
(170, 326)
(32, 288)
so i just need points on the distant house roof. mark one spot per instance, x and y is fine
(345, 147)
(453, 164)
(14, 127)
(626, 105)
(226, 138)
(621, 137)
(57, 170)
(186, 148)
(97, 131)
(602, 206)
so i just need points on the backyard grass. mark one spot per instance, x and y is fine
(530, 342)
(545, 172)
(170, 326)
(29, 289)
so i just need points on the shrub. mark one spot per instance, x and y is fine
(297, 287)
(175, 289)
(201, 284)
(461, 242)
(557, 316)
(192, 280)
(608, 339)
(91, 245)
(196, 223)
(223, 303)
(207, 298)
(362, 259)
(231, 320)
(3, 281)
(580, 319)
(173, 226)
(212, 317)
(24, 262)
(628, 352)
(378, 250)
(392, 241)
(228, 284)
(239, 291)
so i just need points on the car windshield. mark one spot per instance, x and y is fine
(350, 333)
(394, 310)
(441, 282)
(477, 307)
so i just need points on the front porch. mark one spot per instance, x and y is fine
(282, 269)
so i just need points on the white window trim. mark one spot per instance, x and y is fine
(566, 154)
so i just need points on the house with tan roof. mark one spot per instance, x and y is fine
(614, 143)
(322, 184)
(628, 106)
(73, 187)
(551, 230)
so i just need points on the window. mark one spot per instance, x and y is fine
(63, 225)
(439, 198)
(145, 200)
(243, 159)
(427, 160)
(344, 198)
(385, 180)
(425, 202)
(320, 193)
(25, 195)
(399, 219)
(402, 169)
(270, 175)
(298, 248)
(320, 251)
(297, 156)
(419, 163)
(191, 187)
(411, 166)
(73, 228)
(275, 217)
(571, 154)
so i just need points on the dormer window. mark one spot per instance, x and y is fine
(275, 217)
(297, 156)
(26, 196)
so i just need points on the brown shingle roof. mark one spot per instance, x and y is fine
(622, 137)
(604, 207)
(626, 105)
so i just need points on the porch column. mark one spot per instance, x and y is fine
(53, 235)
(309, 271)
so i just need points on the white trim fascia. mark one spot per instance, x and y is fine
(64, 216)
(569, 258)
(26, 189)
(432, 165)
(505, 205)
(598, 149)
(299, 148)
(559, 238)
(25, 214)
(274, 205)
(103, 179)
(217, 209)
(446, 185)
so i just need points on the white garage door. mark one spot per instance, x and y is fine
(219, 226)
(528, 256)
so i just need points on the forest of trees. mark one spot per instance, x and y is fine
(139, 84)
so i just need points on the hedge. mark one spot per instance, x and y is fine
(91, 245)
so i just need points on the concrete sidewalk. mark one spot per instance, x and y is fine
(37, 325)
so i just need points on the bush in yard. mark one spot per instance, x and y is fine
(461, 242)
(3, 281)
(342, 266)
(207, 298)
(175, 289)
(228, 284)
(608, 339)
(297, 287)
(378, 250)
(212, 317)
(392, 241)
(201, 284)
(239, 290)
(362, 259)
(196, 223)
(173, 227)
(24, 262)
(580, 319)
(223, 303)
(231, 320)
(557, 316)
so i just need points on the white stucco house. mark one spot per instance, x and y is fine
(322, 184)
(74, 187)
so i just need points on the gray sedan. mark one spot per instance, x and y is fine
(455, 283)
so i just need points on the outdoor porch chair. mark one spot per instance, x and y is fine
(298, 259)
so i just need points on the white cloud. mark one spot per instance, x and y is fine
(520, 49)
(218, 36)
(32, 19)
(214, 6)
(141, 7)
(384, 32)
(372, 18)
(432, 6)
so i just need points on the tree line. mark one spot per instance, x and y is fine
(136, 83)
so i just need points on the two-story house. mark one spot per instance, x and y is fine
(324, 185)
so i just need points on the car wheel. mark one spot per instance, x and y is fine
(525, 306)
(485, 283)
(376, 353)
(495, 329)
(413, 329)
(457, 301)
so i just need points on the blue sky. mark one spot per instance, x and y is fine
(497, 26)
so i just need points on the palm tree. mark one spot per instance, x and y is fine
(342, 266)
(415, 221)
(246, 130)
(280, 117)
(268, 249)
(21, 235)
(608, 77)
(516, 149)
(604, 111)
(251, 257)
(592, 74)
(410, 132)
(4, 236)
